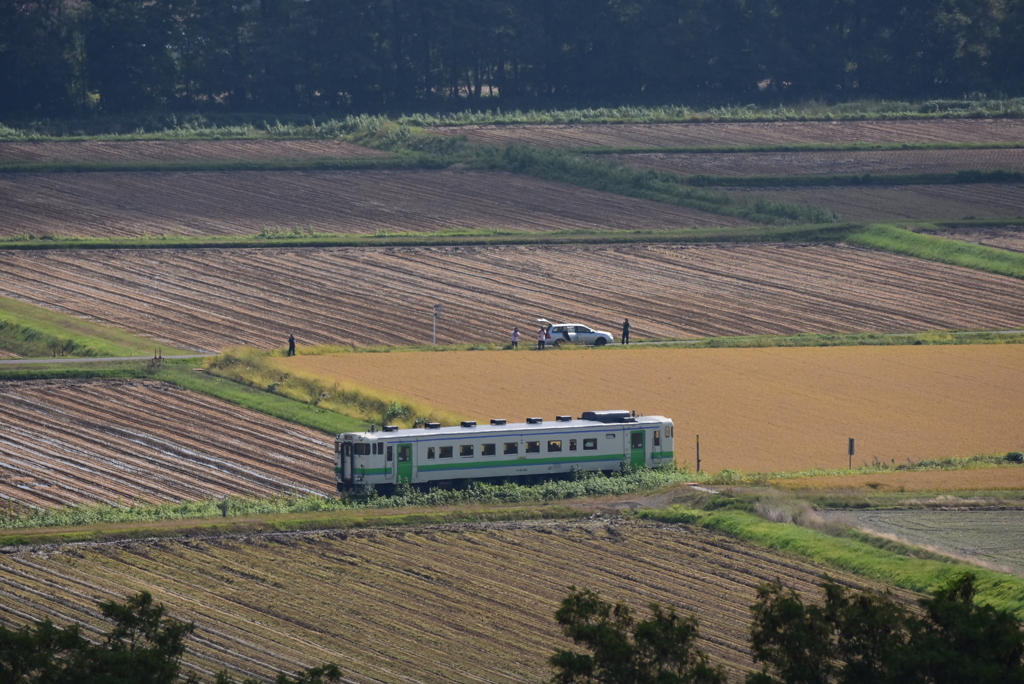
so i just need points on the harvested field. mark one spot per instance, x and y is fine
(994, 539)
(213, 299)
(129, 151)
(245, 202)
(67, 442)
(756, 410)
(928, 202)
(1008, 237)
(470, 603)
(887, 162)
(739, 134)
(975, 479)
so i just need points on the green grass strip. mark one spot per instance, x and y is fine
(659, 186)
(957, 252)
(454, 237)
(1002, 591)
(184, 376)
(33, 331)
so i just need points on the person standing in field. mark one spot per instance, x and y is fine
(542, 335)
(515, 338)
(625, 331)
(291, 344)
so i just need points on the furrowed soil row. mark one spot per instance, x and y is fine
(927, 202)
(887, 162)
(214, 299)
(737, 134)
(246, 202)
(128, 151)
(469, 604)
(85, 442)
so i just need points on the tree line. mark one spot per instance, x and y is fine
(850, 638)
(75, 58)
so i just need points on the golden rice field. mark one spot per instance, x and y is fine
(756, 410)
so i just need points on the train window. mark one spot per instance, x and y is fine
(430, 452)
(636, 440)
(670, 431)
(488, 449)
(554, 445)
(590, 444)
(511, 447)
(446, 452)
(657, 438)
(361, 449)
(572, 445)
(404, 453)
(533, 447)
(390, 456)
(466, 450)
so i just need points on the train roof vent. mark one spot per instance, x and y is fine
(497, 421)
(563, 419)
(469, 423)
(390, 428)
(532, 421)
(432, 426)
(607, 416)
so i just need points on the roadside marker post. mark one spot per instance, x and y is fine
(698, 453)
(851, 453)
(437, 314)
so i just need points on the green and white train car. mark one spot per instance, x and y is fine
(524, 452)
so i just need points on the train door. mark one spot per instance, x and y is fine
(404, 465)
(637, 448)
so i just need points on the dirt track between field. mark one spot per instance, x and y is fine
(756, 410)
(1009, 237)
(69, 442)
(210, 299)
(934, 202)
(246, 202)
(739, 134)
(888, 162)
(470, 604)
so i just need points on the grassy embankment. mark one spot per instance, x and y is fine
(34, 332)
(875, 559)
(261, 125)
(959, 253)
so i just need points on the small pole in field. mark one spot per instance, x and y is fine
(851, 453)
(437, 314)
(698, 453)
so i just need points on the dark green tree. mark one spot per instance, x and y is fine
(144, 647)
(869, 638)
(660, 650)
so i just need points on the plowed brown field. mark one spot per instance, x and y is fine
(213, 299)
(936, 202)
(245, 202)
(828, 163)
(756, 410)
(181, 150)
(740, 134)
(1009, 237)
(468, 604)
(85, 442)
